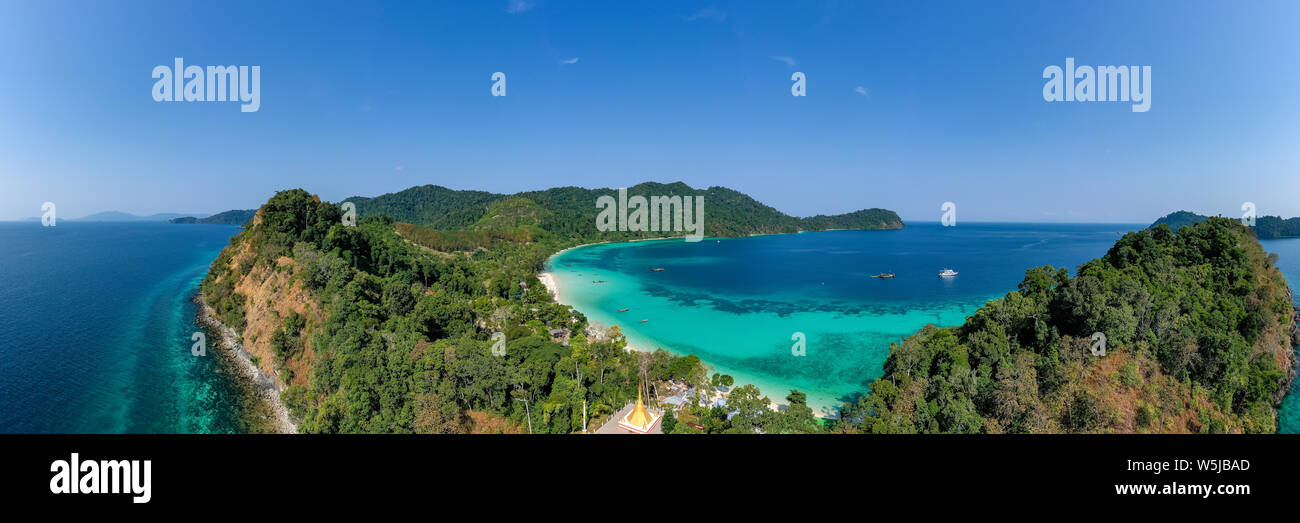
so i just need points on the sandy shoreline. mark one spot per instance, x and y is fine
(263, 385)
(552, 285)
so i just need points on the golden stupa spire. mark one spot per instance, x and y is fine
(639, 420)
(639, 416)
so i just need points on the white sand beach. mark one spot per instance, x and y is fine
(551, 283)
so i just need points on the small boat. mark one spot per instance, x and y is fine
(624, 309)
(659, 269)
(947, 273)
(599, 281)
(883, 275)
(645, 320)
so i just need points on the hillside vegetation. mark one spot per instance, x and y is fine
(388, 327)
(568, 214)
(1199, 332)
(368, 332)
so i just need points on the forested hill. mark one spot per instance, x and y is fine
(571, 212)
(1274, 227)
(367, 332)
(233, 217)
(1178, 219)
(1265, 227)
(1199, 330)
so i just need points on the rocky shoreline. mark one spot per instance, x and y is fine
(1285, 386)
(262, 386)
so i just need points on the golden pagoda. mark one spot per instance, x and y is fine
(639, 420)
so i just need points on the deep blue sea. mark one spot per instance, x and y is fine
(95, 327)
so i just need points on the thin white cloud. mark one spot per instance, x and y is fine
(861, 90)
(569, 61)
(784, 59)
(515, 7)
(708, 13)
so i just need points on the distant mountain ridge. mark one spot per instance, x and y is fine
(571, 211)
(231, 217)
(1265, 226)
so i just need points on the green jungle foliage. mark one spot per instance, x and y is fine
(1274, 227)
(406, 342)
(569, 213)
(1194, 322)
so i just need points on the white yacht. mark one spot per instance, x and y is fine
(947, 273)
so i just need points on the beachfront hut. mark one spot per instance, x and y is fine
(675, 401)
(560, 336)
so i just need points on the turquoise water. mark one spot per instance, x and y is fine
(1288, 260)
(737, 303)
(95, 326)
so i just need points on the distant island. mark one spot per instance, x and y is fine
(118, 216)
(232, 217)
(1266, 227)
(1179, 219)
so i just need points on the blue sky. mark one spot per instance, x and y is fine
(364, 100)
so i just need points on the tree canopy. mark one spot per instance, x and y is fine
(1197, 329)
